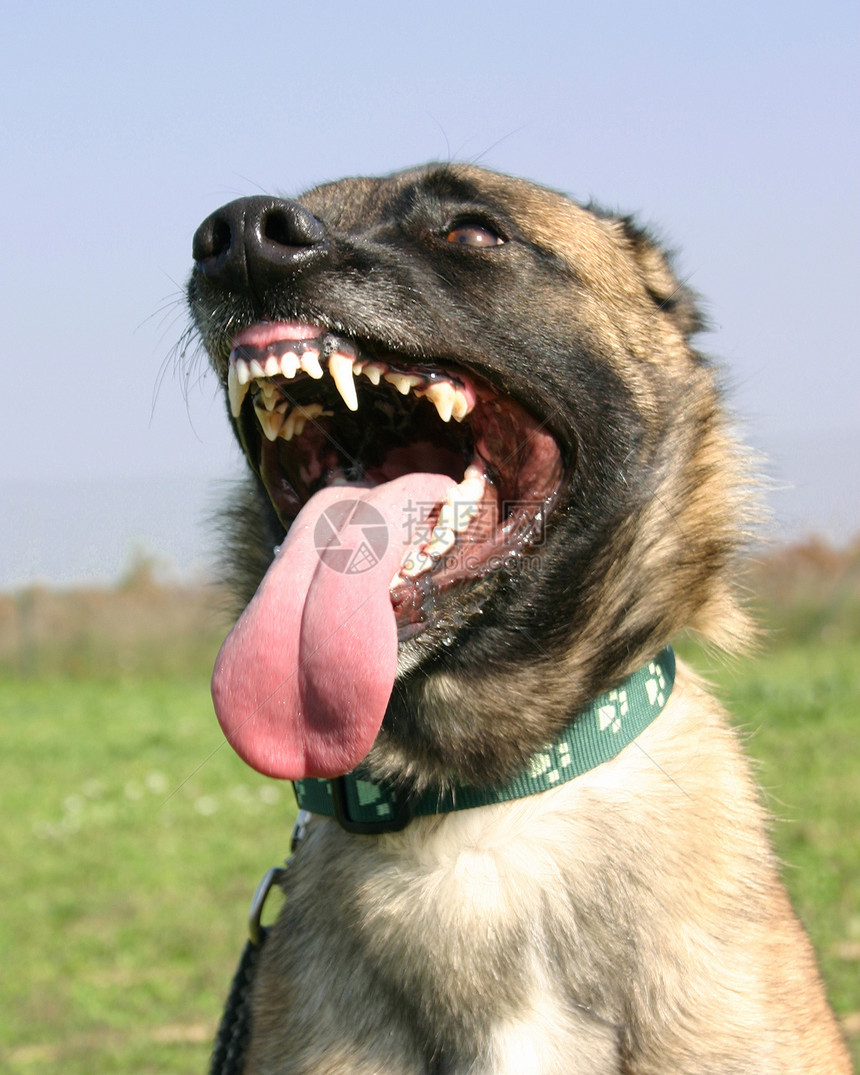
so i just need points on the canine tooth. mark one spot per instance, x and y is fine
(373, 372)
(442, 396)
(236, 390)
(460, 407)
(257, 371)
(441, 540)
(289, 364)
(340, 368)
(403, 382)
(270, 422)
(310, 363)
(272, 366)
(243, 371)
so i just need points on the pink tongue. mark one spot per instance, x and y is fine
(303, 680)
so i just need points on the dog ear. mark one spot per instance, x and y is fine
(662, 284)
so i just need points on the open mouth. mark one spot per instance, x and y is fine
(329, 412)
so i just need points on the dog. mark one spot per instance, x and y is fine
(490, 479)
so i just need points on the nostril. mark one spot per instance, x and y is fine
(277, 228)
(287, 224)
(212, 239)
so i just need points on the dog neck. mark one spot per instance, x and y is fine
(611, 722)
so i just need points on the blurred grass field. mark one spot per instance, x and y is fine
(132, 838)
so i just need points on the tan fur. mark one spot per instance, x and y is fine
(709, 972)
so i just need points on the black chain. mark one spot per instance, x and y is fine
(228, 1051)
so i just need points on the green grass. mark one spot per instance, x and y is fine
(799, 710)
(132, 840)
(131, 844)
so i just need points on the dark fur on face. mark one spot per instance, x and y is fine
(591, 335)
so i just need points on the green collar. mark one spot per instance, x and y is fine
(598, 733)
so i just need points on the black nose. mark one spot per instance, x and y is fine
(257, 240)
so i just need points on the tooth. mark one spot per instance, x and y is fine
(316, 410)
(456, 514)
(442, 396)
(310, 363)
(441, 540)
(271, 422)
(243, 371)
(270, 395)
(340, 368)
(470, 491)
(289, 364)
(235, 390)
(461, 405)
(302, 415)
(273, 366)
(373, 372)
(289, 427)
(403, 382)
(257, 371)
(415, 563)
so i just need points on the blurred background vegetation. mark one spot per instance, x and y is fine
(132, 838)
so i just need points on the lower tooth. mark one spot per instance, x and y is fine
(416, 563)
(441, 540)
(457, 516)
(403, 382)
(270, 423)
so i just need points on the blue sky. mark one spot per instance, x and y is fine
(731, 128)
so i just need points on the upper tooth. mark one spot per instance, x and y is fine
(257, 370)
(340, 368)
(235, 390)
(289, 364)
(310, 363)
(243, 371)
(373, 372)
(272, 366)
(461, 405)
(442, 395)
(403, 381)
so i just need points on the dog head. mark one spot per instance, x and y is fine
(487, 393)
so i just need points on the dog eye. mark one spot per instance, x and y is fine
(474, 235)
